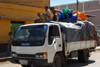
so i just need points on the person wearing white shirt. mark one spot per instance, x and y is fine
(48, 13)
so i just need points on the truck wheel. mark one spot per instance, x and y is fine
(57, 61)
(26, 65)
(83, 55)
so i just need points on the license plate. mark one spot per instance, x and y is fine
(25, 62)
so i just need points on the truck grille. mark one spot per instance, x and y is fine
(25, 56)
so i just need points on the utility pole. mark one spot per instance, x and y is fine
(99, 1)
(77, 5)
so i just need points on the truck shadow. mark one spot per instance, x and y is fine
(3, 60)
(76, 63)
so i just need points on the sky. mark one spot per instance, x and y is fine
(60, 2)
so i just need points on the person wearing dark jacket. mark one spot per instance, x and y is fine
(54, 16)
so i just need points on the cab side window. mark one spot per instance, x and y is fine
(56, 31)
(53, 33)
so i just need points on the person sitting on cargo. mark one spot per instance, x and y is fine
(41, 18)
(48, 14)
(54, 16)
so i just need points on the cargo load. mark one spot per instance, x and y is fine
(76, 31)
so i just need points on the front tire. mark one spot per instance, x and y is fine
(57, 61)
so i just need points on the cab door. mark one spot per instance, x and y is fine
(54, 42)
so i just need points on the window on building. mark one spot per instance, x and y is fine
(15, 25)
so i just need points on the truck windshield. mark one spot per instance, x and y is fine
(31, 34)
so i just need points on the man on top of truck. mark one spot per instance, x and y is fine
(41, 17)
(54, 16)
(48, 13)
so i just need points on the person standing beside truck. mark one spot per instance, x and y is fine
(10, 39)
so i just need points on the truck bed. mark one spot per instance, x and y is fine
(71, 46)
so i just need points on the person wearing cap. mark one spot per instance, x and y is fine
(41, 18)
(54, 16)
(48, 13)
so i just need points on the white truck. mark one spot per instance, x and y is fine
(50, 44)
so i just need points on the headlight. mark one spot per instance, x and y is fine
(14, 55)
(37, 56)
(41, 55)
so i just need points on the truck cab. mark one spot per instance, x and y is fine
(36, 44)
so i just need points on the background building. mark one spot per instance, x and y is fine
(14, 13)
(32, 3)
(91, 7)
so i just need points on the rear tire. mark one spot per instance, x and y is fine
(83, 55)
(26, 65)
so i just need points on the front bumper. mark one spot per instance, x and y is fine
(34, 62)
